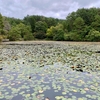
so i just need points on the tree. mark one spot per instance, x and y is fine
(7, 26)
(65, 26)
(20, 32)
(78, 24)
(28, 37)
(79, 27)
(70, 20)
(50, 32)
(87, 14)
(51, 22)
(14, 34)
(72, 36)
(24, 29)
(1, 24)
(56, 33)
(96, 23)
(13, 21)
(29, 20)
(93, 35)
(32, 23)
(40, 30)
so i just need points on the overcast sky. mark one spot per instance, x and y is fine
(49, 8)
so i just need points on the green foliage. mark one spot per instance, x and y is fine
(28, 37)
(1, 38)
(1, 24)
(59, 35)
(78, 26)
(17, 32)
(29, 20)
(51, 22)
(50, 32)
(40, 30)
(96, 23)
(72, 37)
(80, 23)
(7, 26)
(14, 37)
(93, 35)
(56, 33)
(65, 25)
(13, 21)
(24, 29)
(67, 37)
(14, 34)
(70, 20)
(87, 14)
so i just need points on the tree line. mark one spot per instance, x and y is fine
(82, 25)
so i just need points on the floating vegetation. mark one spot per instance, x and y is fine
(49, 72)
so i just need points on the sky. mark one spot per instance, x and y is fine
(49, 8)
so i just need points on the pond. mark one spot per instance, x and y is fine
(49, 71)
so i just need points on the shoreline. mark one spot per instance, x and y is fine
(48, 42)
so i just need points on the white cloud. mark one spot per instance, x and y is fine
(95, 4)
(49, 8)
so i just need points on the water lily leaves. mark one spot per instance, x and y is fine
(98, 98)
(64, 93)
(93, 97)
(69, 98)
(59, 97)
(74, 90)
(40, 91)
(80, 99)
(89, 96)
(28, 95)
(69, 72)
(83, 92)
(21, 93)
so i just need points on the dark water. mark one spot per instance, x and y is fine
(42, 79)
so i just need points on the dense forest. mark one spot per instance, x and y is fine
(82, 25)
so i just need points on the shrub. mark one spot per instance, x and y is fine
(1, 38)
(28, 37)
(93, 35)
(14, 37)
(59, 35)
